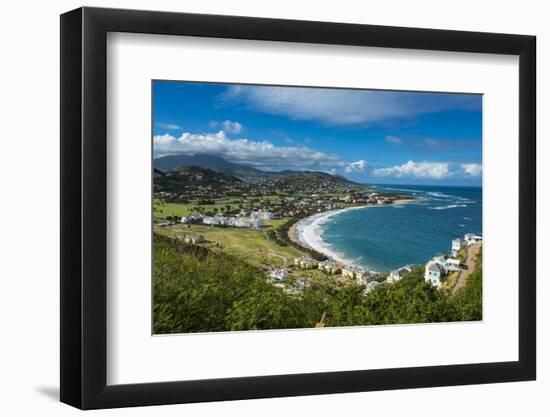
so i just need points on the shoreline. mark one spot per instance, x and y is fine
(307, 231)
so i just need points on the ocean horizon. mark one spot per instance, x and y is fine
(382, 238)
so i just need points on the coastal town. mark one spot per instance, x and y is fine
(356, 208)
(226, 209)
(436, 270)
(257, 219)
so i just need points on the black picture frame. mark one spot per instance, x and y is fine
(84, 207)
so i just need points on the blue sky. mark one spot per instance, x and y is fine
(369, 136)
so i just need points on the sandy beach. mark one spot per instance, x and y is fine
(307, 232)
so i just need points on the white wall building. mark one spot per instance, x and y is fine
(329, 267)
(278, 275)
(354, 272)
(305, 262)
(452, 264)
(209, 220)
(261, 214)
(433, 273)
(399, 273)
(440, 260)
(456, 245)
(348, 272)
(472, 238)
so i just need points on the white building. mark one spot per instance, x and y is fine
(365, 277)
(300, 284)
(433, 273)
(209, 220)
(329, 267)
(472, 238)
(440, 260)
(278, 275)
(348, 272)
(457, 245)
(399, 273)
(305, 262)
(262, 214)
(354, 272)
(452, 264)
(252, 222)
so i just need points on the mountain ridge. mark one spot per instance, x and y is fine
(244, 172)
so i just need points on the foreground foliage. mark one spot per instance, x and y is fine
(198, 290)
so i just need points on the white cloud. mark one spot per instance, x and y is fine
(472, 170)
(434, 170)
(227, 126)
(262, 154)
(346, 107)
(232, 127)
(357, 166)
(394, 139)
(169, 126)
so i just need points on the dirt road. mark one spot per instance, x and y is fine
(470, 266)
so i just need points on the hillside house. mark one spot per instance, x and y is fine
(365, 277)
(452, 264)
(330, 267)
(433, 273)
(305, 262)
(457, 245)
(440, 260)
(355, 272)
(278, 275)
(399, 273)
(472, 238)
(262, 214)
(348, 272)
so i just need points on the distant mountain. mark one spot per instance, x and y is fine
(215, 163)
(180, 179)
(246, 173)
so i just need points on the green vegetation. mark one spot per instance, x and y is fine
(163, 209)
(280, 236)
(468, 300)
(199, 289)
(250, 245)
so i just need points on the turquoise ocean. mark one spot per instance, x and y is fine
(383, 238)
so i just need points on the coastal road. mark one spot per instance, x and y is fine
(470, 266)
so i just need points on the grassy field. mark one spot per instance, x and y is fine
(250, 245)
(163, 209)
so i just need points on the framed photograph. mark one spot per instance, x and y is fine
(259, 208)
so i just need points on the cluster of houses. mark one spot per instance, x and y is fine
(330, 267)
(254, 219)
(439, 266)
(399, 273)
(305, 262)
(361, 275)
(372, 198)
(279, 276)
